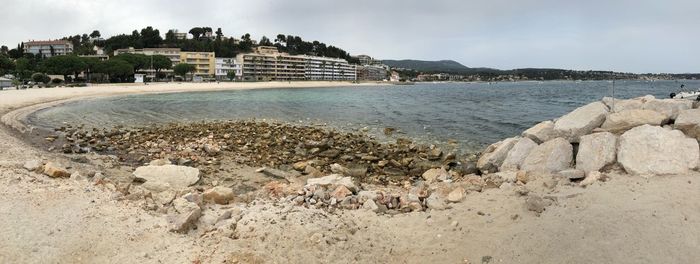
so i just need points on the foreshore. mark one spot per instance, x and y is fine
(103, 213)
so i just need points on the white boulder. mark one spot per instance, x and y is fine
(625, 120)
(688, 121)
(493, 155)
(581, 121)
(595, 151)
(542, 132)
(618, 105)
(652, 150)
(550, 157)
(669, 107)
(333, 180)
(174, 176)
(517, 154)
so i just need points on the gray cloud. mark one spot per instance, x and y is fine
(622, 35)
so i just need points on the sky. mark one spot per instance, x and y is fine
(621, 35)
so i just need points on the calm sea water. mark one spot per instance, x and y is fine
(472, 114)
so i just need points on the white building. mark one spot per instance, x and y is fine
(48, 48)
(328, 69)
(4, 82)
(268, 64)
(226, 65)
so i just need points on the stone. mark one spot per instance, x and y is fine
(370, 205)
(550, 157)
(333, 180)
(580, 121)
(522, 176)
(159, 162)
(164, 197)
(671, 108)
(625, 120)
(622, 105)
(55, 171)
(177, 177)
(492, 157)
(596, 151)
(219, 195)
(688, 121)
(434, 202)
(653, 150)
(300, 166)
(341, 192)
(32, 165)
(591, 178)
(339, 169)
(434, 154)
(456, 195)
(432, 175)
(507, 176)
(541, 132)
(363, 196)
(517, 154)
(313, 172)
(572, 174)
(535, 204)
(211, 150)
(277, 174)
(183, 222)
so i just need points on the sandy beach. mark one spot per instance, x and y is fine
(626, 219)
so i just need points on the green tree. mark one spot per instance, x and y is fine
(64, 65)
(151, 37)
(90, 64)
(183, 69)
(196, 32)
(137, 61)
(6, 65)
(264, 41)
(231, 75)
(95, 34)
(23, 68)
(160, 63)
(41, 78)
(118, 70)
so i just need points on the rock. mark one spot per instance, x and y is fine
(456, 195)
(572, 174)
(159, 162)
(469, 167)
(622, 105)
(339, 169)
(277, 174)
(580, 121)
(363, 196)
(625, 120)
(219, 195)
(522, 176)
(184, 221)
(300, 166)
(313, 172)
(669, 107)
(432, 175)
(32, 165)
(164, 197)
(507, 176)
(552, 156)
(177, 177)
(517, 154)
(596, 151)
(535, 204)
(370, 205)
(211, 150)
(340, 193)
(492, 157)
(541, 132)
(55, 171)
(652, 150)
(591, 178)
(688, 121)
(434, 154)
(333, 180)
(435, 202)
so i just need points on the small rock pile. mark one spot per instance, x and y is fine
(643, 136)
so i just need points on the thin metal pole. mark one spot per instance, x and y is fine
(613, 93)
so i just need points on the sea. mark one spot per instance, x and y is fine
(468, 115)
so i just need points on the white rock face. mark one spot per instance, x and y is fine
(493, 156)
(541, 132)
(174, 176)
(625, 120)
(669, 107)
(550, 157)
(652, 150)
(622, 105)
(517, 154)
(581, 121)
(333, 180)
(688, 121)
(596, 151)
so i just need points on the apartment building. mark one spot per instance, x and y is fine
(226, 65)
(48, 48)
(204, 62)
(268, 64)
(371, 73)
(171, 53)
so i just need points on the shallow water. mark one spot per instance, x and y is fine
(472, 114)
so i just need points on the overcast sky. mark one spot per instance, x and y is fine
(620, 35)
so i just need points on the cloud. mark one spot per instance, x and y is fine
(623, 35)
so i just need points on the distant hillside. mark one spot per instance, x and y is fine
(446, 66)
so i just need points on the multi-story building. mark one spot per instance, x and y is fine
(371, 73)
(48, 48)
(268, 64)
(226, 65)
(204, 63)
(365, 60)
(171, 53)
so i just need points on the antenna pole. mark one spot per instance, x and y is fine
(613, 92)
